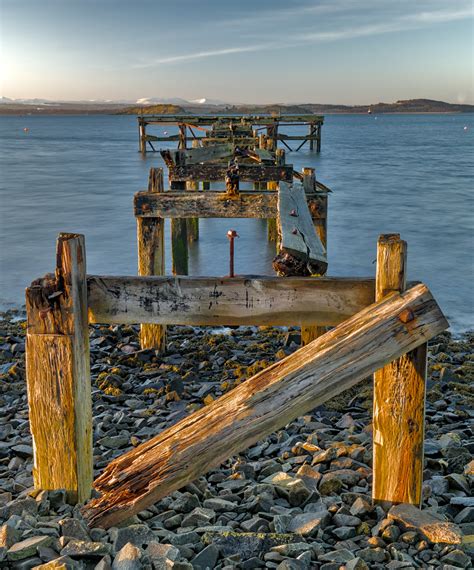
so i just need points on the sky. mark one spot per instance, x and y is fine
(239, 51)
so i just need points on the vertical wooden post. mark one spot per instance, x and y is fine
(142, 135)
(179, 238)
(318, 145)
(151, 260)
(182, 143)
(399, 398)
(193, 223)
(312, 332)
(311, 133)
(58, 374)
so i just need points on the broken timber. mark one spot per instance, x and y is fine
(301, 251)
(277, 395)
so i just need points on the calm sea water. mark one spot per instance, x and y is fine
(410, 174)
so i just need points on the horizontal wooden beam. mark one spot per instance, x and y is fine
(203, 301)
(247, 172)
(263, 404)
(206, 205)
(210, 119)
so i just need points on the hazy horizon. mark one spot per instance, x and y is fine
(352, 52)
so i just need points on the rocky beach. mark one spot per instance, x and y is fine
(299, 499)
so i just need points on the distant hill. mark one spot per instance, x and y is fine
(152, 110)
(405, 106)
(45, 107)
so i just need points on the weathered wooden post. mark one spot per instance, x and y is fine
(311, 134)
(193, 223)
(58, 374)
(399, 397)
(182, 143)
(151, 259)
(309, 333)
(318, 142)
(179, 237)
(142, 134)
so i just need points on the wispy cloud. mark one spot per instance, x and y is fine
(379, 25)
(203, 54)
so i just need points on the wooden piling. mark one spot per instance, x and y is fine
(193, 223)
(263, 404)
(151, 259)
(399, 397)
(179, 238)
(312, 332)
(142, 136)
(58, 374)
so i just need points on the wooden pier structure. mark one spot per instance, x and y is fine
(350, 328)
(245, 131)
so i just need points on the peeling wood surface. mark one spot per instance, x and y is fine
(297, 235)
(266, 402)
(226, 301)
(58, 375)
(247, 172)
(206, 205)
(399, 398)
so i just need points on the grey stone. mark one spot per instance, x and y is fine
(344, 532)
(74, 528)
(199, 517)
(128, 558)
(465, 516)
(360, 507)
(219, 505)
(85, 549)
(157, 551)
(372, 554)
(27, 548)
(206, 559)
(340, 555)
(340, 519)
(307, 524)
(457, 558)
(136, 534)
(356, 564)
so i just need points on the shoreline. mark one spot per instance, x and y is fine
(241, 515)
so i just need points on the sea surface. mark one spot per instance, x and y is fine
(411, 174)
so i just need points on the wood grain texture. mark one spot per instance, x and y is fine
(58, 325)
(151, 259)
(206, 205)
(301, 250)
(263, 404)
(399, 398)
(226, 301)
